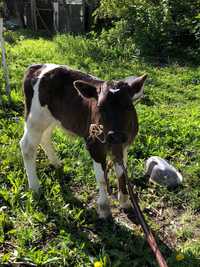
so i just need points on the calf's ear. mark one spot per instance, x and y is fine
(136, 86)
(86, 89)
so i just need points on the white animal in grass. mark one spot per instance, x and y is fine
(161, 172)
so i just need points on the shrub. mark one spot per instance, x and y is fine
(158, 28)
(12, 37)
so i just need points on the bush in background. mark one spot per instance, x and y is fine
(158, 28)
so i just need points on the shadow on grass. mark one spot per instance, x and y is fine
(9, 108)
(107, 237)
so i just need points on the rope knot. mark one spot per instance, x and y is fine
(95, 131)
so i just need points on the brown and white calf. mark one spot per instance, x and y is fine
(56, 95)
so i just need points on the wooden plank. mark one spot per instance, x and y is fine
(43, 22)
(45, 9)
(74, 2)
(33, 15)
(56, 16)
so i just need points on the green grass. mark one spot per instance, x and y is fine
(61, 227)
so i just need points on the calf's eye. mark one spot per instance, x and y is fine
(129, 107)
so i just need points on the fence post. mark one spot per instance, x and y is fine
(5, 68)
(56, 16)
(33, 15)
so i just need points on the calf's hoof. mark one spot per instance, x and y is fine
(57, 164)
(124, 201)
(126, 205)
(35, 188)
(103, 210)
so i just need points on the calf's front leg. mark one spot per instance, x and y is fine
(103, 206)
(123, 196)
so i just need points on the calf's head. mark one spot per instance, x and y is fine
(114, 104)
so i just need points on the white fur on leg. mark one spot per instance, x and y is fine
(48, 147)
(124, 200)
(125, 156)
(118, 170)
(102, 202)
(28, 146)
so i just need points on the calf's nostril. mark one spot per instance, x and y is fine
(116, 137)
(111, 133)
(110, 137)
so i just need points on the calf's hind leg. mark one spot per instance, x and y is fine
(47, 145)
(28, 143)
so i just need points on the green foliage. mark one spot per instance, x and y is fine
(60, 227)
(159, 28)
(12, 37)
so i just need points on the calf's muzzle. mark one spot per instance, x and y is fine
(116, 137)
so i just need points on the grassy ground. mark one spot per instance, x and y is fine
(61, 228)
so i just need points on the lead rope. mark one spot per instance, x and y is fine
(95, 131)
(149, 236)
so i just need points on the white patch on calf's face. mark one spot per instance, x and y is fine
(114, 90)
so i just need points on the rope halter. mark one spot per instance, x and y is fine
(95, 131)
